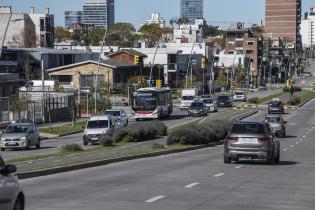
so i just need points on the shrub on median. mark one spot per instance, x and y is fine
(106, 141)
(71, 148)
(120, 135)
(294, 88)
(295, 100)
(253, 100)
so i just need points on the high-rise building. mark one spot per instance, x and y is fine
(283, 18)
(73, 17)
(191, 9)
(308, 28)
(99, 13)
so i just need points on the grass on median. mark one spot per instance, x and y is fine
(268, 98)
(67, 128)
(308, 95)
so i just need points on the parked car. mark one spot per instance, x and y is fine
(20, 135)
(240, 96)
(250, 139)
(197, 108)
(210, 104)
(120, 116)
(11, 194)
(96, 127)
(277, 123)
(275, 106)
(224, 101)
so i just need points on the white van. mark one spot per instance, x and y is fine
(37, 85)
(96, 127)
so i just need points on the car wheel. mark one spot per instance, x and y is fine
(277, 160)
(235, 159)
(2, 149)
(38, 144)
(18, 205)
(137, 119)
(85, 143)
(227, 159)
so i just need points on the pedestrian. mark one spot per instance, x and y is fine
(291, 91)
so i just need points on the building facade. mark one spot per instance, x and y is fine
(283, 18)
(27, 29)
(308, 28)
(72, 18)
(156, 19)
(192, 9)
(99, 13)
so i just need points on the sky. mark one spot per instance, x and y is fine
(216, 12)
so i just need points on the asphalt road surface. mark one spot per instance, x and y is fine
(196, 180)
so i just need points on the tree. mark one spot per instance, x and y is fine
(27, 38)
(81, 36)
(182, 21)
(151, 33)
(121, 34)
(61, 34)
(96, 36)
(210, 30)
(257, 30)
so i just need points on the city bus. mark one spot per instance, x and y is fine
(152, 103)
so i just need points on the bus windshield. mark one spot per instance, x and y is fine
(145, 102)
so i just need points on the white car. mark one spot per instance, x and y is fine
(120, 116)
(11, 194)
(240, 96)
(210, 104)
(98, 126)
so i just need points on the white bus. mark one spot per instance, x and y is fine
(152, 103)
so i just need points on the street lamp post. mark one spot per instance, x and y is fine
(151, 70)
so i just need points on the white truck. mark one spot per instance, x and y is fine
(188, 96)
(36, 85)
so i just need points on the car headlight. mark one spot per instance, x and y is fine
(2, 139)
(104, 132)
(23, 138)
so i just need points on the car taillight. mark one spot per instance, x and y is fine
(264, 139)
(229, 138)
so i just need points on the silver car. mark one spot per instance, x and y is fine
(278, 124)
(210, 104)
(20, 135)
(120, 116)
(255, 140)
(11, 194)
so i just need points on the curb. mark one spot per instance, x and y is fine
(51, 171)
(60, 135)
(302, 104)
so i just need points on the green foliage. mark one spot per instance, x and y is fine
(151, 33)
(121, 34)
(106, 141)
(72, 148)
(18, 103)
(96, 36)
(212, 31)
(253, 100)
(58, 88)
(158, 146)
(294, 89)
(295, 100)
(61, 34)
(121, 135)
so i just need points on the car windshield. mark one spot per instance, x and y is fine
(223, 98)
(239, 93)
(17, 129)
(275, 104)
(273, 119)
(248, 129)
(197, 104)
(115, 113)
(188, 98)
(208, 101)
(97, 124)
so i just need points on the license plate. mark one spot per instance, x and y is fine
(248, 140)
(94, 138)
(12, 143)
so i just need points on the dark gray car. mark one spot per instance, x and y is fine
(198, 108)
(277, 123)
(250, 139)
(11, 194)
(20, 135)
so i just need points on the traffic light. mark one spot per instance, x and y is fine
(136, 59)
(289, 83)
(142, 79)
(203, 63)
(158, 83)
(232, 84)
(139, 79)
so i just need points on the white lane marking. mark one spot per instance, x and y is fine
(301, 139)
(297, 142)
(156, 198)
(29, 162)
(292, 123)
(237, 167)
(192, 185)
(219, 174)
(310, 130)
(284, 149)
(291, 145)
(304, 136)
(307, 133)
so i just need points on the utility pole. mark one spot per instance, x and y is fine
(43, 91)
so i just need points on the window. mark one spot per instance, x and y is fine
(249, 51)
(65, 79)
(250, 43)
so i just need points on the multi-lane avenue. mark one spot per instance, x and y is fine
(191, 180)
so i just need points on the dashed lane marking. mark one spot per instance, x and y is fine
(291, 145)
(284, 149)
(192, 185)
(219, 174)
(304, 136)
(156, 198)
(237, 167)
(297, 142)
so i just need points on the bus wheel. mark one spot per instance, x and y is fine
(161, 115)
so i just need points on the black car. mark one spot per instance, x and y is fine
(224, 101)
(198, 108)
(275, 107)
